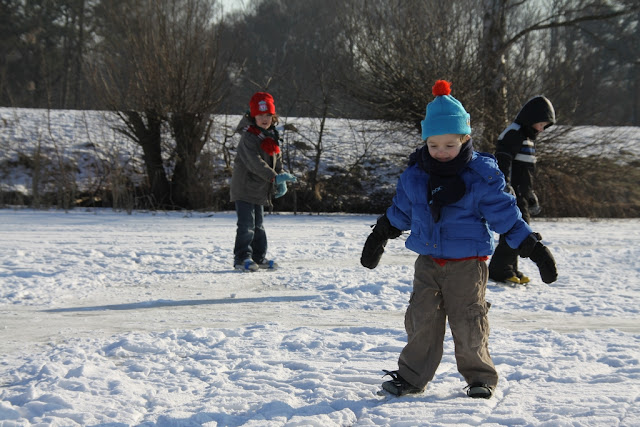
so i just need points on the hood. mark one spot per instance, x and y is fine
(246, 120)
(537, 109)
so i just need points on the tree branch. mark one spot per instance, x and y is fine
(542, 26)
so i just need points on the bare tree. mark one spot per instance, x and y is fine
(402, 47)
(503, 27)
(160, 67)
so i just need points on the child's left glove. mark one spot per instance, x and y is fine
(281, 190)
(377, 240)
(533, 249)
(283, 177)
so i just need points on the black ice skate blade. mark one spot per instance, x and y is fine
(384, 393)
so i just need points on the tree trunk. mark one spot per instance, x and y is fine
(148, 137)
(190, 132)
(492, 57)
(635, 119)
(318, 155)
(79, 55)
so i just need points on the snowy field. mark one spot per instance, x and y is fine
(109, 319)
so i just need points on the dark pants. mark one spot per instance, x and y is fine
(251, 238)
(504, 261)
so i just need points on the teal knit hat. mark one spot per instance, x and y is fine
(445, 114)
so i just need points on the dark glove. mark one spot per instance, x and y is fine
(534, 205)
(373, 250)
(505, 162)
(377, 240)
(533, 249)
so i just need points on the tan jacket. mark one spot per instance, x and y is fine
(254, 171)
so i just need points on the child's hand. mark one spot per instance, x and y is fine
(533, 249)
(373, 250)
(541, 255)
(285, 177)
(281, 190)
(377, 240)
(534, 205)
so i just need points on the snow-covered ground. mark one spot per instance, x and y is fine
(113, 319)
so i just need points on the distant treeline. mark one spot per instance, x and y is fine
(334, 58)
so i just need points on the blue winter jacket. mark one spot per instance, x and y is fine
(464, 229)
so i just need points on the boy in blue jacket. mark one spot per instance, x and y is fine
(452, 199)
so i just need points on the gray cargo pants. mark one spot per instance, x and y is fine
(456, 290)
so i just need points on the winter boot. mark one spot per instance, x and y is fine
(523, 279)
(513, 279)
(479, 390)
(398, 385)
(247, 265)
(268, 264)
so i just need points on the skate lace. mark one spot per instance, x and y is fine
(395, 377)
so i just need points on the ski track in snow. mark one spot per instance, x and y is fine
(116, 319)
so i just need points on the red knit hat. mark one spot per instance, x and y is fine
(261, 103)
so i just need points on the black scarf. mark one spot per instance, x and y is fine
(446, 186)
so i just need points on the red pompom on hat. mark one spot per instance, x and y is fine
(442, 87)
(262, 103)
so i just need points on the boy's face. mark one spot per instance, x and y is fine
(445, 147)
(539, 127)
(263, 120)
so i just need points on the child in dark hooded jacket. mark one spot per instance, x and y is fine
(516, 155)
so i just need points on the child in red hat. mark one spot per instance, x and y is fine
(257, 176)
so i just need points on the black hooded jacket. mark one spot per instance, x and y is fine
(515, 148)
(537, 109)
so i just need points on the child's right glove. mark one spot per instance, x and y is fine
(534, 205)
(281, 183)
(377, 240)
(533, 249)
(285, 177)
